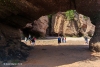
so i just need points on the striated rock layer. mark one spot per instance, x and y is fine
(60, 25)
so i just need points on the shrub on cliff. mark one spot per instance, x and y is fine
(70, 14)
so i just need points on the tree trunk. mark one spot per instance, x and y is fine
(94, 44)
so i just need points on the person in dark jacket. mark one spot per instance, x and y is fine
(59, 40)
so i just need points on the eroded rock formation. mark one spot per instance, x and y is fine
(5, 35)
(38, 26)
(62, 26)
(17, 13)
(10, 45)
(79, 24)
(41, 25)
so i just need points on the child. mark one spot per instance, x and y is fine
(65, 40)
(62, 39)
(33, 41)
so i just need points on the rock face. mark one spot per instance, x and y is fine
(41, 25)
(5, 36)
(10, 45)
(17, 13)
(57, 25)
(79, 24)
(38, 26)
(86, 25)
(62, 26)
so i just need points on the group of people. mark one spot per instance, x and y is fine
(31, 39)
(61, 40)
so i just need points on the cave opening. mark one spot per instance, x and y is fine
(15, 14)
(65, 24)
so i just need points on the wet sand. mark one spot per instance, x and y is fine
(74, 53)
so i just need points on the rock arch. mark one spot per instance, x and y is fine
(17, 13)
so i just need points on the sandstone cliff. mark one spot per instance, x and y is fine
(79, 24)
(62, 26)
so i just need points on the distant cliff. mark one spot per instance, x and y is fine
(72, 25)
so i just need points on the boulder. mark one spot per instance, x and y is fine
(10, 44)
(6, 37)
(86, 25)
(41, 25)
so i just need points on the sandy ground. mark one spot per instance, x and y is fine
(74, 53)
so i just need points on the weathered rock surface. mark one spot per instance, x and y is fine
(41, 25)
(38, 26)
(5, 35)
(17, 13)
(62, 26)
(79, 24)
(10, 44)
(86, 25)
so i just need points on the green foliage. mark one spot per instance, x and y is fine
(49, 16)
(50, 22)
(70, 14)
(85, 17)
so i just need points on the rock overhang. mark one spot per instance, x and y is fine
(17, 13)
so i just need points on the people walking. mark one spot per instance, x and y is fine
(29, 38)
(62, 39)
(33, 41)
(59, 40)
(86, 37)
(25, 39)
